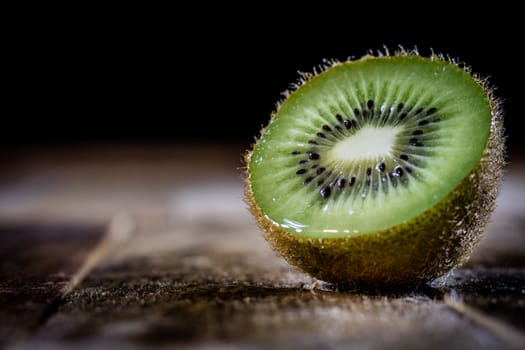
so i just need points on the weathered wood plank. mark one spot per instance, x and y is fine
(38, 264)
(215, 283)
(196, 272)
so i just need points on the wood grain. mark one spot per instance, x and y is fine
(38, 265)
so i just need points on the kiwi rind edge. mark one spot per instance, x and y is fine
(420, 250)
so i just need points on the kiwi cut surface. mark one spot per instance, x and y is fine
(378, 171)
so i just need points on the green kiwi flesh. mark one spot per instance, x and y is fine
(380, 171)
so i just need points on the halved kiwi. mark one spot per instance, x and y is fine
(379, 171)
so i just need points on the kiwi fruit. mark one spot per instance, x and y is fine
(380, 171)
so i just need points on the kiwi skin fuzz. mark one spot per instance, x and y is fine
(420, 250)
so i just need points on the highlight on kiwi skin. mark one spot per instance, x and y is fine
(377, 172)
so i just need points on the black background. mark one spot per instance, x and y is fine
(91, 87)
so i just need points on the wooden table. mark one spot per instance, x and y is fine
(152, 247)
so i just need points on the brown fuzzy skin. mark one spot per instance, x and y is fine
(426, 247)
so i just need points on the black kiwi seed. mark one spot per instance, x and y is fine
(423, 122)
(339, 118)
(321, 135)
(356, 112)
(400, 107)
(419, 111)
(431, 111)
(338, 128)
(348, 124)
(413, 141)
(325, 192)
(369, 171)
(296, 153)
(308, 180)
(327, 128)
(402, 116)
(300, 171)
(351, 182)
(381, 167)
(320, 171)
(418, 132)
(313, 156)
(370, 104)
(320, 182)
(312, 142)
(302, 161)
(404, 157)
(398, 171)
(341, 183)
(315, 166)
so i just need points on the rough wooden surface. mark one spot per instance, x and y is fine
(191, 269)
(38, 265)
